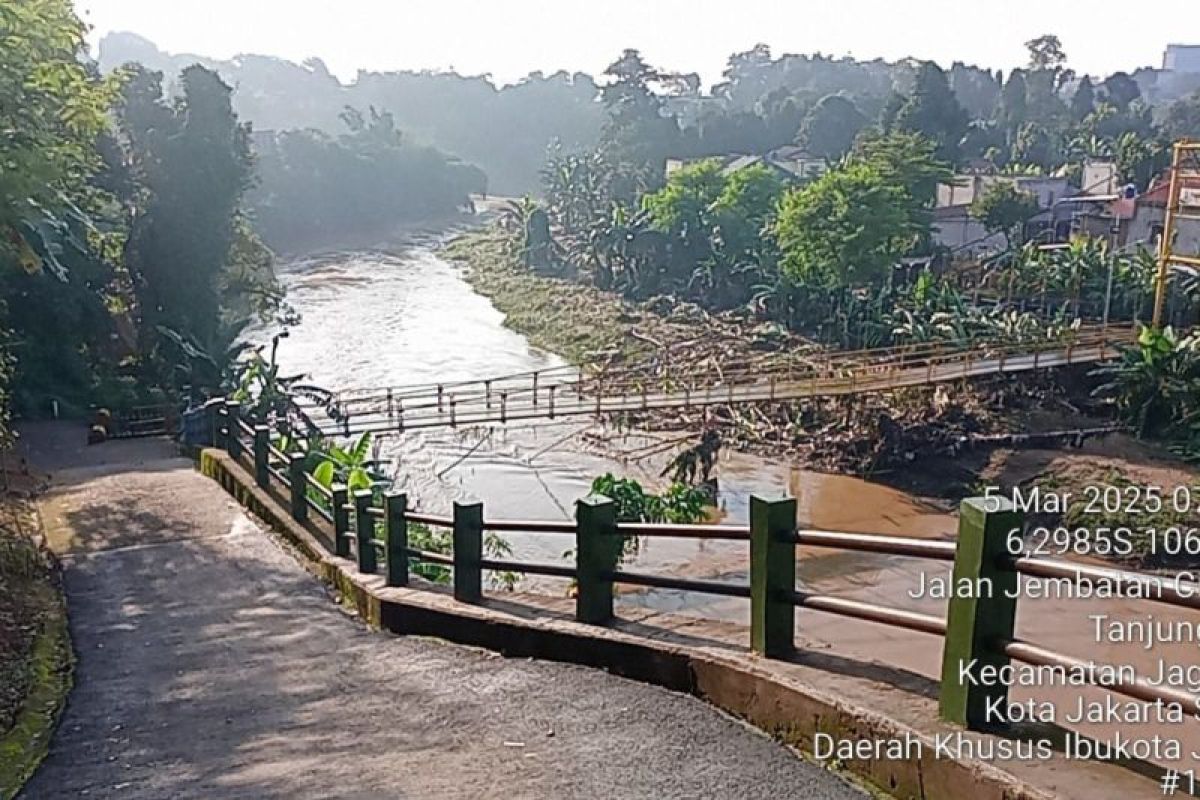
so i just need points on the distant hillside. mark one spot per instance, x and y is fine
(505, 131)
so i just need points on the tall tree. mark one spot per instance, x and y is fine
(637, 131)
(193, 162)
(1083, 102)
(1046, 52)
(1014, 104)
(933, 111)
(830, 127)
(1121, 90)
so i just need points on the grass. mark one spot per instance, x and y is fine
(568, 318)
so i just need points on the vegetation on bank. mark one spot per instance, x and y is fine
(35, 649)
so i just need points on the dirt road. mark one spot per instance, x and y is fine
(212, 666)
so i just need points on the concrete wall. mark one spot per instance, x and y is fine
(1148, 220)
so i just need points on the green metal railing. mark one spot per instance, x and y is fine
(974, 629)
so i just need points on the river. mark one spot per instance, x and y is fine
(398, 313)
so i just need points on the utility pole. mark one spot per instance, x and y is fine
(1165, 253)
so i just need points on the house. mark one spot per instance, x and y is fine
(955, 228)
(965, 188)
(1150, 213)
(792, 164)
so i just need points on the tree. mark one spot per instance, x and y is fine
(683, 208)
(637, 131)
(909, 163)
(933, 111)
(192, 160)
(1014, 103)
(845, 229)
(56, 270)
(830, 127)
(1003, 208)
(1121, 90)
(1046, 52)
(51, 112)
(977, 90)
(1182, 120)
(1083, 102)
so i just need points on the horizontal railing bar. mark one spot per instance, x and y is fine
(868, 612)
(1138, 689)
(279, 475)
(321, 490)
(1153, 588)
(681, 584)
(429, 519)
(668, 530)
(550, 570)
(528, 526)
(882, 545)
(430, 558)
(375, 511)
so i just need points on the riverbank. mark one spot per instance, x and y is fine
(942, 433)
(35, 648)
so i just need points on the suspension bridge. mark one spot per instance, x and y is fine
(597, 390)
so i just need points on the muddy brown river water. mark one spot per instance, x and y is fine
(400, 314)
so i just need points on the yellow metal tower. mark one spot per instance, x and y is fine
(1182, 195)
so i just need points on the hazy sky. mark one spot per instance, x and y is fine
(509, 38)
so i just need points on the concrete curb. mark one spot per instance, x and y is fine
(736, 682)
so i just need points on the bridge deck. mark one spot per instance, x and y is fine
(559, 393)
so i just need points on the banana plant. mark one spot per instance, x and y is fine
(354, 467)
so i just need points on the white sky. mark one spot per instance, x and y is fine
(509, 38)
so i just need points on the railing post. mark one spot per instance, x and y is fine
(395, 535)
(987, 614)
(262, 455)
(341, 520)
(233, 440)
(217, 421)
(468, 552)
(364, 531)
(299, 480)
(598, 547)
(772, 576)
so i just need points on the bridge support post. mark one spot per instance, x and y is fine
(395, 536)
(468, 552)
(341, 520)
(233, 441)
(977, 623)
(772, 576)
(262, 454)
(364, 531)
(598, 547)
(299, 480)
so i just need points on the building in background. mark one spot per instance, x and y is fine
(1182, 58)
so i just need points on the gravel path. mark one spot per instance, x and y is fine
(212, 666)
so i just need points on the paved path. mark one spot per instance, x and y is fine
(212, 666)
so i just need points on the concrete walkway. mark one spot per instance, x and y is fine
(212, 666)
